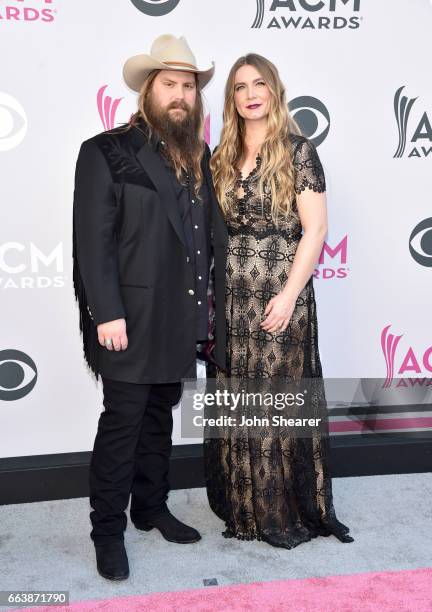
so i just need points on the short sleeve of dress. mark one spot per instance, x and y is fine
(309, 173)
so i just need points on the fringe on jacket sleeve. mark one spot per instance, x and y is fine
(86, 323)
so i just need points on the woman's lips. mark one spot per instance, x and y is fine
(253, 106)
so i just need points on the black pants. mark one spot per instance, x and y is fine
(131, 456)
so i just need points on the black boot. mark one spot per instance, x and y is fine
(171, 528)
(112, 561)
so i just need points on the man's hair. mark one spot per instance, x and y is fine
(185, 156)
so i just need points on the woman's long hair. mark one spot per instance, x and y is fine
(276, 170)
(181, 160)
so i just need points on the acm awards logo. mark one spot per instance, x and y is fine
(419, 135)
(333, 260)
(155, 8)
(29, 10)
(420, 243)
(404, 362)
(308, 14)
(107, 108)
(13, 122)
(18, 375)
(25, 266)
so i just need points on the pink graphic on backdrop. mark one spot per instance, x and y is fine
(411, 363)
(389, 344)
(207, 129)
(24, 12)
(332, 261)
(341, 248)
(107, 108)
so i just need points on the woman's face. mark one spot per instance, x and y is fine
(251, 94)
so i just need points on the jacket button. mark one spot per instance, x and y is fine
(191, 292)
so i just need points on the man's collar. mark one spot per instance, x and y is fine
(156, 142)
(139, 134)
(154, 139)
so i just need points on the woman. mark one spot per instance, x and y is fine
(270, 184)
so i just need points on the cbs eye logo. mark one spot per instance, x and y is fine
(18, 375)
(13, 122)
(420, 243)
(312, 116)
(155, 8)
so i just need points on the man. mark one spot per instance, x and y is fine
(146, 226)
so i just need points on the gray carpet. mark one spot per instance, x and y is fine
(46, 545)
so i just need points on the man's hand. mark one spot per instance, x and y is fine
(114, 331)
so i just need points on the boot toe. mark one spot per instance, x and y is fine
(171, 529)
(112, 562)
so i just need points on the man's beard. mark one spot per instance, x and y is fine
(181, 134)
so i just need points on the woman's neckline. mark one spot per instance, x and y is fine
(258, 160)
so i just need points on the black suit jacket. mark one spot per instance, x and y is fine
(130, 261)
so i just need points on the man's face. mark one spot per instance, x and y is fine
(174, 94)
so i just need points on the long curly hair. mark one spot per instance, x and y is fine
(276, 172)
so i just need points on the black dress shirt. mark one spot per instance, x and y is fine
(194, 212)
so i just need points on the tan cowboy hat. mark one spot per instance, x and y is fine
(167, 53)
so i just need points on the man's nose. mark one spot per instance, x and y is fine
(179, 93)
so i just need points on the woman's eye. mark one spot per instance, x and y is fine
(239, 87)
(261, 83)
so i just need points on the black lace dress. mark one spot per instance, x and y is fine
(273, 486)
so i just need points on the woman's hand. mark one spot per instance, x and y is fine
(278, 313)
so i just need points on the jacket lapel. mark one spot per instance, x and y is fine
(156, 170)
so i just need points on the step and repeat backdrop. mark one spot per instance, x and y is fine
(357, 74)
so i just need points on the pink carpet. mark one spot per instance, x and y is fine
(405, 591)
